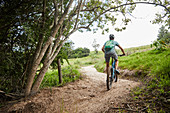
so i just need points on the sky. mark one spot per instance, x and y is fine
(140, 31)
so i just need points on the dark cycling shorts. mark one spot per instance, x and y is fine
(113, 55)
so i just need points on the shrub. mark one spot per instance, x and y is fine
(70, 73)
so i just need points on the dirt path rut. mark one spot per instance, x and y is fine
(88, 95)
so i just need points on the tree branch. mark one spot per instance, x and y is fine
(79, 9)
(55, 13)
(60, 21)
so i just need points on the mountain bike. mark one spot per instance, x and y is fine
(112, 75)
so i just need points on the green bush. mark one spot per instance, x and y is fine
(50, 79)
(160, 44)
(69, 74)
(12, 71)
(79, 53)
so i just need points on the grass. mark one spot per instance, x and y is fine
(149, 60)
(69, 74)
(157, 83)
(85, 61)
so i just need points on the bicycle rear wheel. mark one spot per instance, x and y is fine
(109, 79)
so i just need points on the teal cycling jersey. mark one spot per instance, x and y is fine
(112, 49)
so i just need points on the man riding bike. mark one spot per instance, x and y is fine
(109, 50)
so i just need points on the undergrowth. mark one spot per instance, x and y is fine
(69, 74)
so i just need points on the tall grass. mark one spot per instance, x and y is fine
(69, 74)
(134, 51)
(155, 61)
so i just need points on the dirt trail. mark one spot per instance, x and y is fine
(88, 95)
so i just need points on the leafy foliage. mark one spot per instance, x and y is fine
(12, 75)
(63, 54)
(160, 44)
(17, 42)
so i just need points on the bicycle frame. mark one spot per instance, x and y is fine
(113, 66)
(112, 76)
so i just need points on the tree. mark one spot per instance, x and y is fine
(164, 35)
(47, 25)
(163, 39)
(16, 46)
(95, 46)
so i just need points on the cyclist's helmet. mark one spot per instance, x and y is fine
(111, 36)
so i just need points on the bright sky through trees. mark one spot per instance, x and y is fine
(140, 31)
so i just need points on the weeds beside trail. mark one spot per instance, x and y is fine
(70, 74)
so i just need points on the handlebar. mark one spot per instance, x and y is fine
(121, 55)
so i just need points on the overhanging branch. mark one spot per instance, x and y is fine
(108, 10)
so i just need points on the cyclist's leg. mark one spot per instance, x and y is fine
(116, 62)
(107, 66)
(115, 57)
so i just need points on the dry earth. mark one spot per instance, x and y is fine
(88, 95)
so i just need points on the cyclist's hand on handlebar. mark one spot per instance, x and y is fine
(122, 55)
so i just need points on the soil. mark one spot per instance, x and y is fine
(87, 95)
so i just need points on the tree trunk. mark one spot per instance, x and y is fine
(35, 64)
(39, 79)
(30, 79)
(43, 70)
(59, 71)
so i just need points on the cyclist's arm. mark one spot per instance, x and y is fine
(122, 49)
(103, 49)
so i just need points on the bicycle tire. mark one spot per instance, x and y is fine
(109, 79)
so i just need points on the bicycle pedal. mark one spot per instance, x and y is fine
(117, 72)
